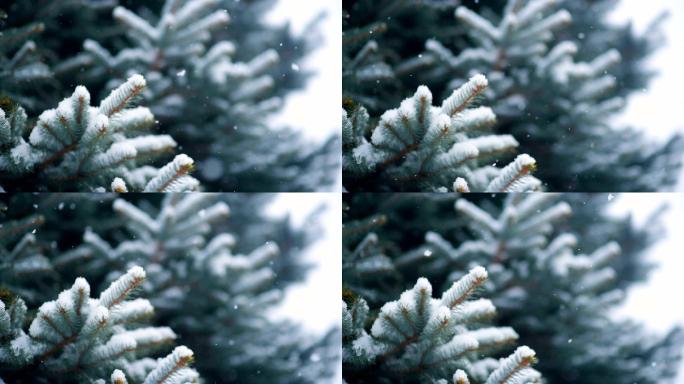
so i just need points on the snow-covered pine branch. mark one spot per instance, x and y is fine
(549, 273)
(422, 147)
(556, 78)
(188, 256)
(420, 338)
(76, 337)
(556, 90)
(525, 251)
(80, 147)
(212, 94)
(215, 71)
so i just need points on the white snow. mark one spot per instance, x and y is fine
(118, 185)
(460, 185)
(479, 273)
(460, 377)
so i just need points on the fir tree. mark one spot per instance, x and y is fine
(553, 84)
(542, 283)
(215, 71)
(212, 291)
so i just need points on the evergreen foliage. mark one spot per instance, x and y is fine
(215, 72)
(555, 79)
(213, 287)
(631, 267)
(547, 282)
(19, 63)
(23, 264)
(419, 339)
(77, 146)
(79, 338)
(422, 147)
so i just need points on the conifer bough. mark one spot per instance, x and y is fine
(187, 260)
(422, 147)
(214, 69)
(422, 339)
(20, 67)
(528, 251)
(550, 279)
(208, 99)
(212, 287)
(86, 339)
(80, 147)
(558, 70)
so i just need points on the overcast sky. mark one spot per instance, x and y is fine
(316, 108)
(658, 301)
(316, 302)
(658, 108)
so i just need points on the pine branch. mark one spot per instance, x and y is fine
(421, 337)
(419, 146)
(77, 335)
(186, 234)
(210, 102)
(76, 146)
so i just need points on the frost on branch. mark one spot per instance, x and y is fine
(422, 147)
(199, 280)
(527, 252)
(80, 147)
(545, 87)
(76, 337)
(212, 94)
(422, 339)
